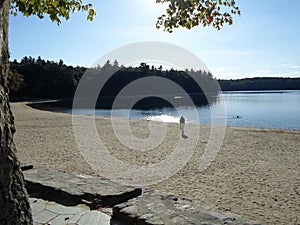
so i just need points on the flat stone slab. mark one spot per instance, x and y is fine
(72, 189)
(157, 208)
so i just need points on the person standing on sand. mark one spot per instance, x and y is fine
(182, 123)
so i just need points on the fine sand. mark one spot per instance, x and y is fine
(256, 173)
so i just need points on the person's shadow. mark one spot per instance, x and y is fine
(184, 136)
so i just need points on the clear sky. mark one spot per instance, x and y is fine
(264, 40)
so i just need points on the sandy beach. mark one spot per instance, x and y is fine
(256, 173)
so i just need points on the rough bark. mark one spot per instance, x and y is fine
(14, 204)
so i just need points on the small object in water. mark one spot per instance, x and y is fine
(238, 117)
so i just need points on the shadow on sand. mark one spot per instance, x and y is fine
(184, 136)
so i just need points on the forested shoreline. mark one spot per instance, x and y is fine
(260, 84)
(37, 78)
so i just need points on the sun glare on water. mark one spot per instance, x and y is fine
(164, 118)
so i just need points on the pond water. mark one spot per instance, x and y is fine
(263, 109)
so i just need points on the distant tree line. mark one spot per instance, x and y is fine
(37, 78)
(122, 76)
(260, 83)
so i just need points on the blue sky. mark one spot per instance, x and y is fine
(264, 40)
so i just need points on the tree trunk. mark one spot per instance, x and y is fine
(14, 204)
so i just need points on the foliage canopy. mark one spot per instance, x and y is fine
(55, 9)
(179, 13)
(191, 13)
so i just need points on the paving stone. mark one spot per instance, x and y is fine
(56, 214)
(44, 217)
(37, 207)
(61, 220)
(94, 218)
(60, 209)
(74, 219)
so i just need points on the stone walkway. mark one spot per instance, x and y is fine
(45, 212)
(68, 198)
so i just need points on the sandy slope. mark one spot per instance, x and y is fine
(256, 172)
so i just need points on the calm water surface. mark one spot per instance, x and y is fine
(263, 109)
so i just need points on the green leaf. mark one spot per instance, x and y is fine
(54, 9)
(191, 13)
